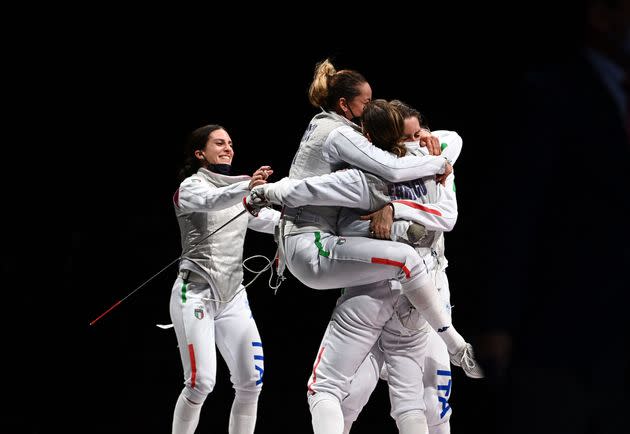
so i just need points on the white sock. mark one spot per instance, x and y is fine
(243, 418)
(185, 416)
(443, 428)
(327, 417)
(426, 299)
(349, 417)
(346, 426)
(412, 423)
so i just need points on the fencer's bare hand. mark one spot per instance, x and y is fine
(381, 222)
(448, 169)
(431, 142)
(260, 176)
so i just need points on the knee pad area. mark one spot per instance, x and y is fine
(412, 421)
(316, 398)
(195, 396)
(247, 396)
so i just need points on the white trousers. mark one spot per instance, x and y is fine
(356, 325)
(436, 377)
(200, 325)
(326, 261)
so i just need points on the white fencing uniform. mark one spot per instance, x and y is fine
(358, 320)
(314, 254)
(436, 371)
(323, 260)
(422, 201)
(208, 302)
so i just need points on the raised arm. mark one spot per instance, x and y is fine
(438, 216)
(442, 214)
(451, 144)
(342, 188)
(347, 145)
(194, 195)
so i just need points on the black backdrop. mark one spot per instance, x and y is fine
(139, 87)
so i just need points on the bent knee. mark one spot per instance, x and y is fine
(195, 395)
(324, 398)
(441, 428)
(411, 421)
(247, 396)
(248, 389)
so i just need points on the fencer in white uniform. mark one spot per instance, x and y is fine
(367, 311)
(321, 259)
(437, 379)
(433, 366)
(208, 303)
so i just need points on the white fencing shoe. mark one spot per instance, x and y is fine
(465, 358)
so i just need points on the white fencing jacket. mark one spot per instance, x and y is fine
(330, 143)
(204, 202)
(354, 189)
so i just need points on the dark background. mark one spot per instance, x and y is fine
(134, 86)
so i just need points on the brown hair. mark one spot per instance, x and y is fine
(407, 111)
(329, 85)
(197, 141)
(385, 125)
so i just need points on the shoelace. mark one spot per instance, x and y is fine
(467, 359)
